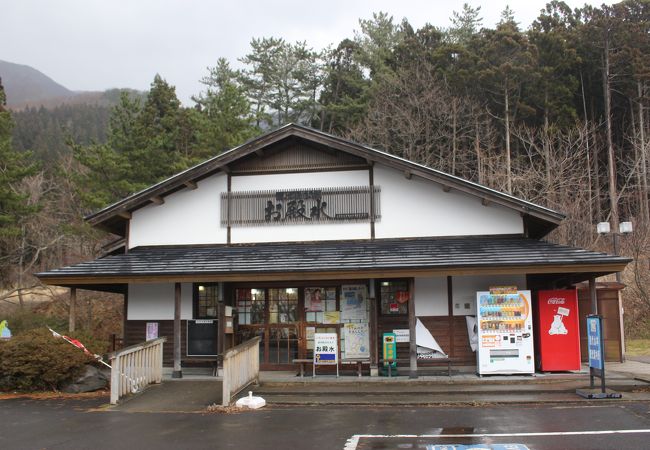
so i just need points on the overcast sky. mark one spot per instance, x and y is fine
(96, 45)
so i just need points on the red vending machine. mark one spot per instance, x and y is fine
(558, 332)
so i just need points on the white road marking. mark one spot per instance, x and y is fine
(353, 442)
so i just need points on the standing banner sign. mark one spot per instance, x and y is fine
(596, 349)
(326, 352)
(594, 338)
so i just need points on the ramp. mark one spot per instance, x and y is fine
(174, 396)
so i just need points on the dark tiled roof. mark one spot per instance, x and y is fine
(433, 253)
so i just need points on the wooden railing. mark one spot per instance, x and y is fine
(241, 367)
(134, 367)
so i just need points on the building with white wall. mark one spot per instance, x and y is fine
(298, 232)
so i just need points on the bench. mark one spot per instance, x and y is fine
(359, 363)
(302, 363)
(446, 361)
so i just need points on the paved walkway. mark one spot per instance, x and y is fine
(197, 389)
(174, 396)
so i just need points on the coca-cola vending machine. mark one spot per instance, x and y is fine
(559, 332)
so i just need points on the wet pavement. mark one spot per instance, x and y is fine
(82, 424)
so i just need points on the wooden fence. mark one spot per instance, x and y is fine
(241, 367)
(135, 367)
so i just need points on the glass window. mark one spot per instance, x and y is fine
(283, 345)
(207, 301)
(394, 297)
(283, 305)
(250, 306)
(319, 300)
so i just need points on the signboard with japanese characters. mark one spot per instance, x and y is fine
(402, 336)
(594, 343)
(300, 206)
(326, 349)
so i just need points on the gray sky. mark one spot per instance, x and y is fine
(96, 45)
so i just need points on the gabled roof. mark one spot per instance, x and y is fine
(338, 260)
(539, 220)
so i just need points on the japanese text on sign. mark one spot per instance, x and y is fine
(594, 343)
(325, 349)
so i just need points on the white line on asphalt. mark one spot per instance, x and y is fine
(353, 442)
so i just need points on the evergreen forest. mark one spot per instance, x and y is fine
(557, 114)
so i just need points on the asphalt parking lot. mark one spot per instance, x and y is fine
(89, 424)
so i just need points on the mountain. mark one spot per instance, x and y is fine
(25, 86)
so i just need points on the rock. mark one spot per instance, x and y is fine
(92, 379)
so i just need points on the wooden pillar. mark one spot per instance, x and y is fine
(221, 337)
(450, 315)
(413, 368)
(72, 309)
(374, 359)
(177, 373)
(593, 297)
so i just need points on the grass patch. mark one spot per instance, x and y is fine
(637, 347)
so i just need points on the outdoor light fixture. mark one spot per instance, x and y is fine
(603, 228)
(201, 288)
(625, 227)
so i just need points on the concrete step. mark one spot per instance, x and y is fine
(442, 399)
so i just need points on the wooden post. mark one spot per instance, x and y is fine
(115, 380)
(413, 369)
(374, 360)
(177, 373)
(73, 309)
(450, 314)
(593, 295)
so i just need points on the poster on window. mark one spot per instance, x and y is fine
(354, 302)
(314, 300)
(357, 340)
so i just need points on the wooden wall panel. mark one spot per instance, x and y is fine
(135, 333)
(451, 334)
(609, 309)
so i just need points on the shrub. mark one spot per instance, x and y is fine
(26, 319)
(35, 360)
(94, 344)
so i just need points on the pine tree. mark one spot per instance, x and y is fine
(14, 166)
(506, 66)
(465, 24)
(345, 90)
(225, 111)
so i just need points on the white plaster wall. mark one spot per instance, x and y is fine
(431, 296)
(419, 207)
(291, 233)
(187, 217)
(156, 301)
(464, 289)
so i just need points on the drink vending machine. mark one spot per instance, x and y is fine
(559, 331)
(505, 332)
